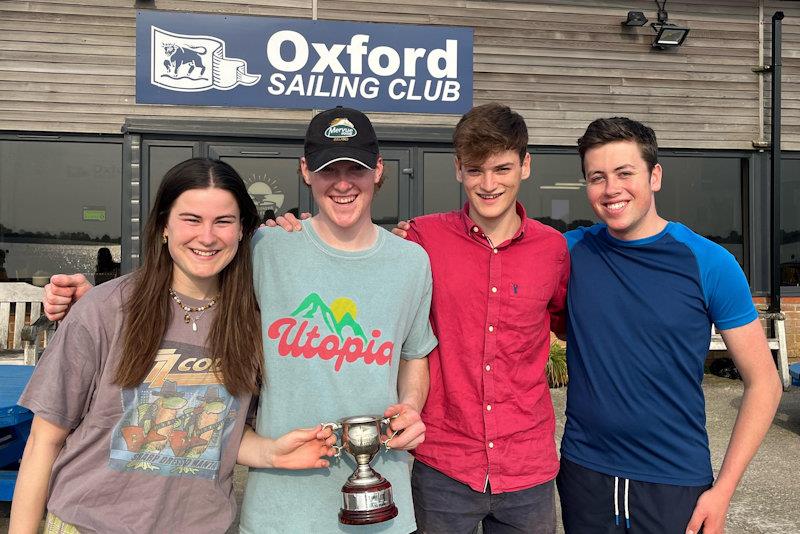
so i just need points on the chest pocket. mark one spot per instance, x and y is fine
(525, 308)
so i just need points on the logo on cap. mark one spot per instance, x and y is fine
(340, 129)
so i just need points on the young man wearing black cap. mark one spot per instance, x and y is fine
(344, 309)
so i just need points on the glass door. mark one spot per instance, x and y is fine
(271, 173)
(392, 201)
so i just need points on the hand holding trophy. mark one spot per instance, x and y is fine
(366, 496)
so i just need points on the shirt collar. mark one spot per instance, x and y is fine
(471, 227)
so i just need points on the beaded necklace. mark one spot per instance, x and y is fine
(188, 310)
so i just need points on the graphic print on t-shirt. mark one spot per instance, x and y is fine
(342, 337)
(176, 423)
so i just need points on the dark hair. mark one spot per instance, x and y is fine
(604, 131)
(235, 335)
(488, 129)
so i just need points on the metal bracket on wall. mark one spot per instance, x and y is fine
(762, 70)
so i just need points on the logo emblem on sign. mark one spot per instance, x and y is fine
(340, 130)
(194, 63)
(265, 191)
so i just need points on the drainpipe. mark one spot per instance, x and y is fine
(760, 142)
(775, 163)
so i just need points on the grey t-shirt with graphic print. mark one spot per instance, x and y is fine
(156, 458)
(335, 326)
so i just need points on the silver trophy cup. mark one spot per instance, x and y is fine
(366, 496)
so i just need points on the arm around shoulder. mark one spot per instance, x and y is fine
(62, 291)
(557, 307)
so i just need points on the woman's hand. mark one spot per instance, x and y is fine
(303, 448)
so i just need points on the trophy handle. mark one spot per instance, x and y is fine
(386, 421)
(334, 427)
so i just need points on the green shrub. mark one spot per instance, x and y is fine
(556, 368)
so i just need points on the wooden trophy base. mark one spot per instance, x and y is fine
(368, 504)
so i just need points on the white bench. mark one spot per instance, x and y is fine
(776, 343)
(22, 349)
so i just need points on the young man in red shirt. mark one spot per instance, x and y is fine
(499, 287)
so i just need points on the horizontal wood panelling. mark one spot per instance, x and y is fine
(790, 80)
(574, 57)
(69, 66)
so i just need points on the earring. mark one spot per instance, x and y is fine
(164, 239)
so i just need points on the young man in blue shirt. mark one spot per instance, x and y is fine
(642, 296)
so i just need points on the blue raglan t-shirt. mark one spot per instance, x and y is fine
(640, 315)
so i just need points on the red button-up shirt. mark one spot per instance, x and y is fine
(489, 415)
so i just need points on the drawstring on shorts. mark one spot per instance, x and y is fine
(616, 503)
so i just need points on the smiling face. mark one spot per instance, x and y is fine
(621, 189)
(343, 192)
(203, 232)
(492, 186)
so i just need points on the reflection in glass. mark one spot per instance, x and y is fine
(273, 183)
(59, 204)
(385, 202)
(705, 194)
(441, 191)
(160, 160)
(790, 222)
(555, 193)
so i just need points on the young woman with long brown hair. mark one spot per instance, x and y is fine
(142, 396)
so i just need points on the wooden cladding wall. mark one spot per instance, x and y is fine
(563, 63)
(68, 66)
(790, 81)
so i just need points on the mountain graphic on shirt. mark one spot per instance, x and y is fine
(339, 315)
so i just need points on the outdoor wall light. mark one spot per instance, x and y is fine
(635, 18)
(667, 35)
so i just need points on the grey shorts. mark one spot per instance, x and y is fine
(445, 506)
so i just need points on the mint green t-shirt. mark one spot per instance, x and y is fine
(335, 326)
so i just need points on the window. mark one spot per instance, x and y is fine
(59, 208)
(441, 191)
(555, 193)
(705, 194)
(160, 158)
(702, 192)
(790, 221)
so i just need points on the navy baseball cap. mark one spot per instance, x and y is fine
(340, 134)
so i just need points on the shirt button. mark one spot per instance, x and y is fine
(491, 444)
(474, 228)
(488, 407)
(494, 250)
(491, 328)
(494, 290)
(488, 367)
